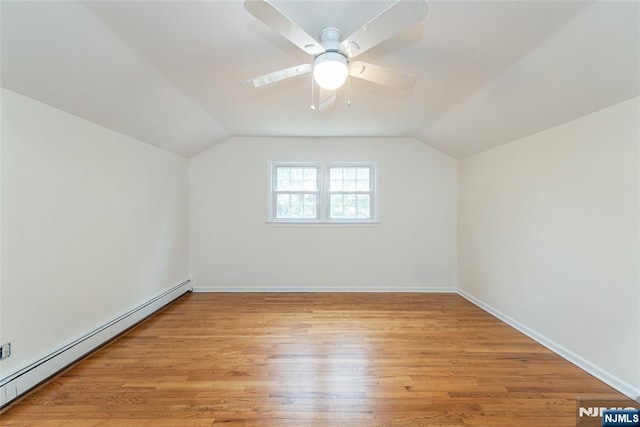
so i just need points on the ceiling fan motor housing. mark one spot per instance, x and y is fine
(330, 39)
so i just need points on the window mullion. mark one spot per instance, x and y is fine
(323, 200)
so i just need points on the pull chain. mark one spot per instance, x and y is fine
(313, 91)
(349, 90)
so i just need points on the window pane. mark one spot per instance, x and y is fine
(296, 179)
(310, 204)
(296, 206)
(350, 205)
(362, 174)
(335, 185)
(282, 206)
(336, 202)
(349, 184)
(283, 176)
(335, 179)
(349, 173)
(362, 183)
(296, 199)
(309, 211)
(363, 206)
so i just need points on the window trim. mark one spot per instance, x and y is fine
(322, 207)
(272, 193)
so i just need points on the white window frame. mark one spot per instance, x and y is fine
(322, 207)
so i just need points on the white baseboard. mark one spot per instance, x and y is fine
(604, 376)
(18, 383)
(404, 289)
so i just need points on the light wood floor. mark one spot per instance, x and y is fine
(310, 359)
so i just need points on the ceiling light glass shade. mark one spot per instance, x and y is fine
(330, 70)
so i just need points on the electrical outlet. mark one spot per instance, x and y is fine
(5, 350)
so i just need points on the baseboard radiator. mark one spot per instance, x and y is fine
(19, 383)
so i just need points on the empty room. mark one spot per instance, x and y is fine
(320, 213)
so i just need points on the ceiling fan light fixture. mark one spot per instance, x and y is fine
(330, 70)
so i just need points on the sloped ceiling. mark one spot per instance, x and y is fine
(170, 73)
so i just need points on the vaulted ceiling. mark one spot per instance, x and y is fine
(170, 73)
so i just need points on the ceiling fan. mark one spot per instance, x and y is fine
(332, 56)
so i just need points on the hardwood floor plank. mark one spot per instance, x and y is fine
(307, 359)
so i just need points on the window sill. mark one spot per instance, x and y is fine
(321, 224)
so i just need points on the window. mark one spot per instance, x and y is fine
(296, 192)
(323, 192)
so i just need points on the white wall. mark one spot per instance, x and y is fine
(93, 224)
(549, 236)
(231, 246)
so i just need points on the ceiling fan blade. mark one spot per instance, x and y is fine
(276, 20)
(276, 76)
(326, 99)
(381, 75)
(391, 21)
